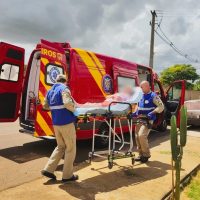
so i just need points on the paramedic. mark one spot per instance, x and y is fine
(61, 104)
(149, 105)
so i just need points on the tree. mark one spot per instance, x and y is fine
(179, 72)
(197, 85)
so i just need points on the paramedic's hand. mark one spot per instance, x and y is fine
(150, 115)
(46, 110)
(75, 113)
(45, 106)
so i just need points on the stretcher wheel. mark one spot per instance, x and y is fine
(133, 161)
(110, 161)
(110, 165)
(89, 158)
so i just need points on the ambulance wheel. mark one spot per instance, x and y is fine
(102, 142)
(163, 126)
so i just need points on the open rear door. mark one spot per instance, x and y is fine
(11, 81)
(175, 97)
(53, 63)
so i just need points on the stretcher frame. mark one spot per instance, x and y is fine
(110, 119)
(111, 153)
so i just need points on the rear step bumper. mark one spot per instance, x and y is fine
(26, 131)
(31, 132)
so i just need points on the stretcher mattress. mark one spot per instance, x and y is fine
(116, 109)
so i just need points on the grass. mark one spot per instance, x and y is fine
(192, 191)
(165, 152)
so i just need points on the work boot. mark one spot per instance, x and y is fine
(138, 159)
(48, 174)
(142, 159)
(73, 178)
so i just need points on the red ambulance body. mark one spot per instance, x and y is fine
(92, 77)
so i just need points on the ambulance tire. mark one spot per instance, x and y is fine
(163, 126)
(102, 142)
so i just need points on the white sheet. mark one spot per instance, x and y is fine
(117, 109)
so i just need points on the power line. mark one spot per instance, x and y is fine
(176, 13)
(176, 49)
(170, 43)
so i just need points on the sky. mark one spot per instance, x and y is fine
(118, 28)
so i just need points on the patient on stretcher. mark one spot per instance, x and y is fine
(122, 96)
(127, 95)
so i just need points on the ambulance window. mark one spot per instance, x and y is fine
(9, 72)
(174, 92)
(124, 82)
(51, 73)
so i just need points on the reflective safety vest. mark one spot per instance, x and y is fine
(146, 104)
(60, 115)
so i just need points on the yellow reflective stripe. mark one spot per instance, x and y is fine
(97, 61)
(42, 78)
(35, 134)
(58, 63)
(41, 97)
(44, 61)
(90, 64)
(40, 120)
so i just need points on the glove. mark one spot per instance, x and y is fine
(76, 113)
(135, 114)
(150, 116)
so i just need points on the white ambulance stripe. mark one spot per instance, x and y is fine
(57, 107)
(151, 108)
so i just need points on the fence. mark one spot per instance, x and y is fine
(189, 94)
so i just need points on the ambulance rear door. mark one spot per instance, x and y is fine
(175, 97)
(11, 81)
(53, 63)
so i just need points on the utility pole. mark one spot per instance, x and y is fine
(152, 23)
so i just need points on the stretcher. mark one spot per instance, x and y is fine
(117, 108)
(111, 116)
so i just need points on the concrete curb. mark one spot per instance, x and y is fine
(184, 182)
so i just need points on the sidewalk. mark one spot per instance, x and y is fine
(142, 181)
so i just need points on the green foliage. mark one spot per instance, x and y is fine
(173, 135)
(178, 141)
(183, 127)
(193, 190)
(179, 72)
(197, 85)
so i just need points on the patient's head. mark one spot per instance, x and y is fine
(128, 90)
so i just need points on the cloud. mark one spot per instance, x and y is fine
(118, 28)
(179, 26)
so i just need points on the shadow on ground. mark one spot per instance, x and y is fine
(124, 177)
(43, 148)
(194, 128)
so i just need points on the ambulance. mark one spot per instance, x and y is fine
(92, 77)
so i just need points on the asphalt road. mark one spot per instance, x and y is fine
(22, 156)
